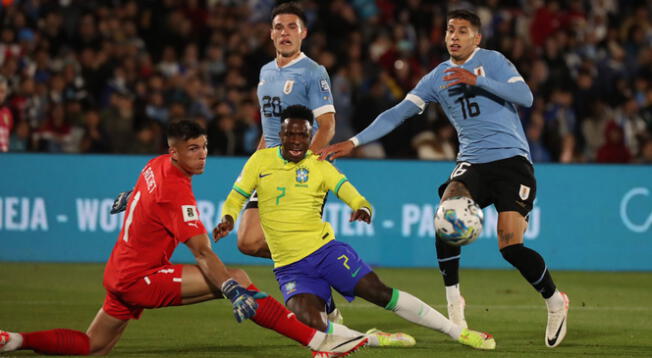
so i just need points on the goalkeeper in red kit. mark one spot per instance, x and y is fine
(161, 214)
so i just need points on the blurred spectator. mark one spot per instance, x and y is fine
(223, 136)
(534, 135)
(593, 129)
(142, 64)
(56, 133)
(6, 118)
(614, 149)
(437, 144)
(21, 138)
(628, 118)
(560, 125)
(95, 138)
(147, 140)
(119, 121)
(646, 152)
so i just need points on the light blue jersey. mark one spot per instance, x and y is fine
(302, 81)
(485, 116)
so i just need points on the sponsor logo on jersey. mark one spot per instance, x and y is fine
(189, 213)
(302, 175)
(287, 88)
(323, 85)
(479, 71)
(524, 192)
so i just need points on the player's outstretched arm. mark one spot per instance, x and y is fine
(383, 124)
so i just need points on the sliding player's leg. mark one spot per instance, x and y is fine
(100, 338)
(416, 311)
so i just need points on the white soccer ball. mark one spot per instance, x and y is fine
(458, 221)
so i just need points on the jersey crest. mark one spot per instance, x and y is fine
(290, 287)
(524, 192)
(287, 88)
(302, 175)
(479, 71)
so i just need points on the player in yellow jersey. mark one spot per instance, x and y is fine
(291, 184)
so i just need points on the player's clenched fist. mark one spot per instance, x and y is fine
(223, 228)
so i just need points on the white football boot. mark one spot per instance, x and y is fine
(557, 321)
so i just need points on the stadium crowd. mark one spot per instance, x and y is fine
(94, 76)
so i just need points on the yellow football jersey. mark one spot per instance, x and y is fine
(290, 201)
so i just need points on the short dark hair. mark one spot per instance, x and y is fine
(289, 8)
(465, 15)
(297, 111)
(184, 130)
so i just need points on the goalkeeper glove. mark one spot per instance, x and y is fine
(120, 202)
(243, 300)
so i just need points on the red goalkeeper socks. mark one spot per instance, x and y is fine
(57, 341)
(273, 315)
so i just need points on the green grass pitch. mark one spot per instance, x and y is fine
(611, 315)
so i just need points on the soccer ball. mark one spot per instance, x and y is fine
(458, 221)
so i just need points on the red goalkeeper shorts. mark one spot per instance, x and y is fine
(160, 289)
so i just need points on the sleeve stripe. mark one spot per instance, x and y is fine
(515, 79)
(328, 108)
(339, 185)
(242, 192)
(355, 141)
(416, 100)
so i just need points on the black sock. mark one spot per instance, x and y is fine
(449, 262)
(531, 266)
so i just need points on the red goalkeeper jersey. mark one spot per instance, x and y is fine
(161, 213)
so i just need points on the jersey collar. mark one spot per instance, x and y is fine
(450, 60)
(301, 57)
